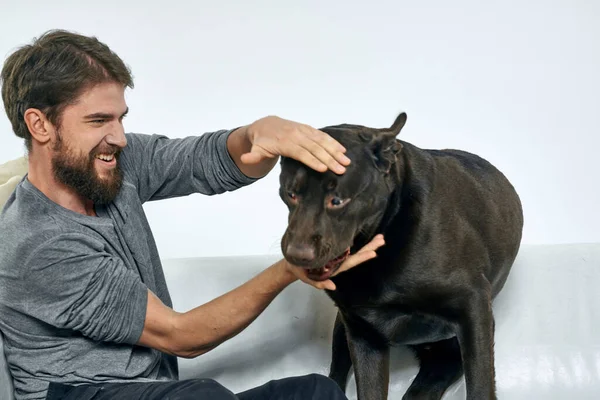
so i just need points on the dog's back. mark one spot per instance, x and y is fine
(472, 200)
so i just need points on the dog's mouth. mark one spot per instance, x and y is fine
(325, 272)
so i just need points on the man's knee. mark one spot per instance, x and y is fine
(323, 385)
(208, 389)
(305, 387)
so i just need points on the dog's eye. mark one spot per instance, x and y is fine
(292, 195)
(337, 202)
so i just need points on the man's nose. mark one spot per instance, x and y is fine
(301, 253)
(117, 138)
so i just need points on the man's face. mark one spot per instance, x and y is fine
(89, 141)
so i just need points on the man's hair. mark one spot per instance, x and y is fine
(52, 72)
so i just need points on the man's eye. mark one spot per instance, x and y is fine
(98, 121)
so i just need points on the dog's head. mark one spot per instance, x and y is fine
(328, 211)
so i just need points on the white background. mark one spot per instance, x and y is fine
(517, 82)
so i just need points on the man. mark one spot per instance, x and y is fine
(84, 307)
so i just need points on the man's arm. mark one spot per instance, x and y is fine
(163, 167)
(224, 160)
(203, 328)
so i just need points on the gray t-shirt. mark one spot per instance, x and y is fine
(73, 288)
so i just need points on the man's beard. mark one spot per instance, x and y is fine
(79, 173)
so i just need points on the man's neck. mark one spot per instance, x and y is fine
(40, 175)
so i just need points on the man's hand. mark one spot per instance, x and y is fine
(256, 147)
(366, 253)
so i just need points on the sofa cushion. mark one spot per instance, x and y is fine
(547, 319)
(11, 174)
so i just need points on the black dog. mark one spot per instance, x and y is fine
(452, 224)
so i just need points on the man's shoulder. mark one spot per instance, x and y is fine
(29, 224)
(26, 212)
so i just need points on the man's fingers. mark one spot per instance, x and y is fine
(356, 259)
(256, 155)
(251, 158)
(366, 253)
(374, 244)
(327, 141)
(320, 153)
(313, 147)
(327, 284)
(331, 148)
(306, 157)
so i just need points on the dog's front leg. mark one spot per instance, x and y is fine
(476, 338)
(371, 367)
(340, 354)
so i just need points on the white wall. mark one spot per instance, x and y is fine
(516, 82)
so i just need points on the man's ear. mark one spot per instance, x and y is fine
(38, 125)
(384, 145)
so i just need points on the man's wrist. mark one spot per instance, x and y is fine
(239, 143)
(285, 277)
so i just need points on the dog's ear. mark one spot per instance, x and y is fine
(398, 124)
(385, 147)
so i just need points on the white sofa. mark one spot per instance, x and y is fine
(546, 316)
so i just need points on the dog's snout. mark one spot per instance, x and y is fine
(300, 253)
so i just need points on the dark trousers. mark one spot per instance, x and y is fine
(308, 387)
